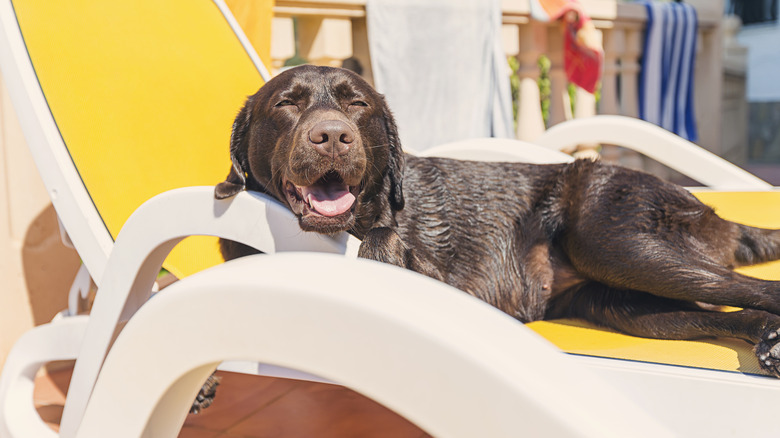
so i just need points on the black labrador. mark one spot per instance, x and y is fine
(612, 246)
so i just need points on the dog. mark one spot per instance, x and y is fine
(618, 248)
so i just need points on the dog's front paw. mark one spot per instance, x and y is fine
(206, 395)
(768, 352)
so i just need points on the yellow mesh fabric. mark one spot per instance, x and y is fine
(758, 209)
(585, 339)
(761, 209)
(144, 93)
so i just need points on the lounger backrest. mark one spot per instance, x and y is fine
(143, 94)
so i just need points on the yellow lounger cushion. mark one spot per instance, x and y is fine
(191, 87)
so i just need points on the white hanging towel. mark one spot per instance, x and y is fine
(442, 69)
(666, 78)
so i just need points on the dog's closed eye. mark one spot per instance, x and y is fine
(285, 102)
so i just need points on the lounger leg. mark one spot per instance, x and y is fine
(58, 340)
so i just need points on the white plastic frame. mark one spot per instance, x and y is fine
(145, 241)
(656, 143)
(450, 363)
(679, 397)
(497, 149)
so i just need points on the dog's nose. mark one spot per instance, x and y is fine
(331, 138)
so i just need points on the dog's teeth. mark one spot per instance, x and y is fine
(768, 363)
(764, 357)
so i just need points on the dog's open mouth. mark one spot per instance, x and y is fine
(323, 205)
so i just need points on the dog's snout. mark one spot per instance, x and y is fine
(331, 138)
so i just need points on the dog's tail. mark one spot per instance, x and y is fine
(757, 245)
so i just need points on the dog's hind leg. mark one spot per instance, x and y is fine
(756, 245)
(681, 265)
(645, 315)
(685, 277)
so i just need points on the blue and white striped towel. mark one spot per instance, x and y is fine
(666, 78)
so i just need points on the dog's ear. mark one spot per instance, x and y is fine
(395, 166)
(235, 182)
(236, 179)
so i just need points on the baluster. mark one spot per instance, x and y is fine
(628, 103)
(360, 48)
(629, 71)
(585, 106)
(614, 47)
(282, 41)
(325, 41)
(614, 42)
(708, 92)
(708, 89)
(560, 104)
(531, 44)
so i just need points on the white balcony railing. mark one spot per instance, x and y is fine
(330, 31)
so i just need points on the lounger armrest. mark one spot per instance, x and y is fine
(497, 149)
(147, 238)
(656, 143)
(448, 362)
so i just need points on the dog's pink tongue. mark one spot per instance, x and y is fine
(329, 199)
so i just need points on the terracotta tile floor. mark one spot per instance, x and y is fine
(254, 406)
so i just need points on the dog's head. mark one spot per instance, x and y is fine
(323, 141)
